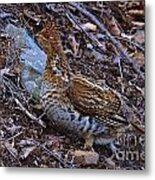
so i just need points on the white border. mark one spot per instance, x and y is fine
(40, 174)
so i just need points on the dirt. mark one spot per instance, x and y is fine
(25, 143)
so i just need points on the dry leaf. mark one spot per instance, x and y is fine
(89, 27)
(11, 149)
(123, 35)
(17, 68)
(113, 27)
(74, 44)
(32, 16)
(139, 56)
(136, 12)
(138, 24)
(26, 142)
(25, 152)
(52, 140)
(13, 128)
(139, 37)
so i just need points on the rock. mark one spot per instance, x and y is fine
(86, 157)
(32, 57)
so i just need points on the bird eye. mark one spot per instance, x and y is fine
(56, 71)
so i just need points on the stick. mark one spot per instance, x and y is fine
(56, 156)
(12, 151)
(75, 23)
(11, 86)
(122, 54)
(31, 116)
(12, 137)
(131, 42)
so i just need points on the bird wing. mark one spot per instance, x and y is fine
(92, 99)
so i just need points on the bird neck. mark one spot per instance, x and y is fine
(49, 39)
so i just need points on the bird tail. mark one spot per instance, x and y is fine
(116, 132)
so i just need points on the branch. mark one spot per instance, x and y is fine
(56, 156)
(31, 116)
(12, 89)
(74, 21)
(122, 54)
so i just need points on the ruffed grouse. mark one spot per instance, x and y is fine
(72, 102)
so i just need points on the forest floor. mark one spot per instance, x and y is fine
(111, 52)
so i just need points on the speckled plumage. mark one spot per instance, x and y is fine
(73, 103)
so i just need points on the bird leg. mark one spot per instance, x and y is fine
(89, 140)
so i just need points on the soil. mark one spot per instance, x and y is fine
(90, 52)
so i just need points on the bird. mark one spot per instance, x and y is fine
(72, 102)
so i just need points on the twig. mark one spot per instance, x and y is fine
(131, 42)
(16, 135)
(121, 74)
(122, 53)
(12, 151)
(12, 87)
(31, 116)
(57, 157)
(12, 137)
(90, 37)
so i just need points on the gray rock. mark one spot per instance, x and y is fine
(32, 57)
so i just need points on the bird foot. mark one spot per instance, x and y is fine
(89, 140)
